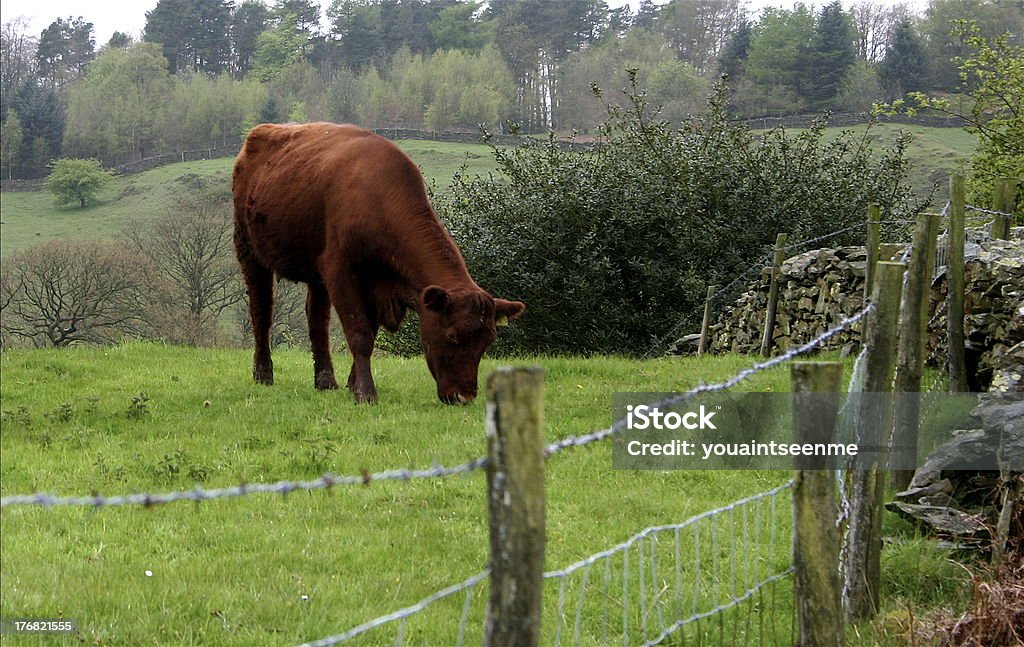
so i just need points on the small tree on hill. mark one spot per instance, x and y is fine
(77, 180)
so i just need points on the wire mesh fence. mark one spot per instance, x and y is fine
(721, 577)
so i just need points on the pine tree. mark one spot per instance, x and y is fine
(832, 52)
(734, 55)
(905, 66)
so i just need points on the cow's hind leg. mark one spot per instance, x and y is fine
(318, 313)
(259, 284)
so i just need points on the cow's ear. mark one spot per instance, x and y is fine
(505, 311)
(435, 297)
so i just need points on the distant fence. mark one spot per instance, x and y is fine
(851, 119)
(139, 164)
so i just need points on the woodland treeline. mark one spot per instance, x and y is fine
(204, 71)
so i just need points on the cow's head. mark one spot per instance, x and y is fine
(456, 327)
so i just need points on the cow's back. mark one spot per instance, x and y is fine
(297, 186)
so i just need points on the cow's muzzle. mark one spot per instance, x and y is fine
(457, 398)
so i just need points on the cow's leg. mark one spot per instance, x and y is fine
(259, 284)
(360, 332)
(318, 314)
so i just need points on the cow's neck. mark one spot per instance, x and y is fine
(429, 256)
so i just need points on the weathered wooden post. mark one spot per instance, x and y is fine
(818, 589)
(773, 295)
(515, 481)
(702, 347)
(957, 288)
(1002, 202)
(871, 242)
(910, 355)
(862, 564)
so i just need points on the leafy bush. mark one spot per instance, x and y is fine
(612, 247)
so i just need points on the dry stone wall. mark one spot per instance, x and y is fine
(823, 286)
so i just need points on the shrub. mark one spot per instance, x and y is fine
(59, 293)
(77, 180)
(612, 247)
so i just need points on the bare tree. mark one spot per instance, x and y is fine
(17, 56)
(59, 293)
(698, 30)
(875, 22)
(196, 277)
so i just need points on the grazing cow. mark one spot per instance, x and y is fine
(346, 212)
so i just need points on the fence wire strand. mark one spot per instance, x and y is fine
(198, 494)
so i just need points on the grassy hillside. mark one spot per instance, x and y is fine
(934, 153)
(30, 217)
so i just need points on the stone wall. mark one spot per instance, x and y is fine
(823, 286)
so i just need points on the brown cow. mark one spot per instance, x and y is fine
(346, 212)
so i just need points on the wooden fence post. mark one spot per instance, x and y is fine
(914, 309)
(871, 242)
(773, 295)
(862, 564)
(515, 481)
(702, 347)
(818, 589)
(955, 295)
(1002, 201)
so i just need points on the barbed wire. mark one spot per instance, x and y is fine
(328, 481)
(619, 425)
(198, 493)
(805, 243)
(991, 212)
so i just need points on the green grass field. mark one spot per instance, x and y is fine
(235, 571)
(269, 570)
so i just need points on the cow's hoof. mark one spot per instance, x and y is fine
(263, 377)
(366, 398)
(326, 382)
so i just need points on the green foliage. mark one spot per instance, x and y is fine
(611, 248)
(11, 136)
(905, 65)
(777, 46)
(117, 106)
(42, 126)
(65, 49)
(830, 54)
(276, 49)
(992, 74)
(77, 180)
(194, 34)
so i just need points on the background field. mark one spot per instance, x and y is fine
(30, 217)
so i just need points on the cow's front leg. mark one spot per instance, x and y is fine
(318, 314)
(360, 379)
(360, 333)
